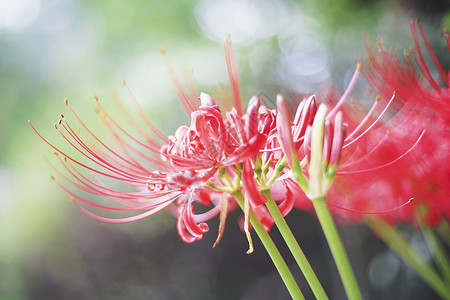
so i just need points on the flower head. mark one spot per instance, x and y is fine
(201, 164)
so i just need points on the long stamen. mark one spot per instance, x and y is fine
(423, 68)
(411, 68)
(99, 189)
(153, 149)
(132, 163)
(187, 103)
(153, 205)
(141, 113)
(121, 220)
(347, 92)
(233, 76)
(129, 119)
(431, 52)
(364, 157)
(373, 124)
(125, 179)
(130, 168)
(192, 89)
(371, 212)
(447, 38)
(124, 145)
(106, 116)
(366, 118)
(386, 164)
(97, 161)
(420, 60)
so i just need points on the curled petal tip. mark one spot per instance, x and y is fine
(206, 100)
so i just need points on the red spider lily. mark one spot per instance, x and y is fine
(211, 141)
(423, 91)
(175, 172)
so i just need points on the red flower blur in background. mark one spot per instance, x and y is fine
(406, 153)
(422, 90)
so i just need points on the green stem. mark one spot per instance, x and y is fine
(273, 252)
(278, 169)
(337, 248)
(294, 247)
(409, 255)
(436, 249)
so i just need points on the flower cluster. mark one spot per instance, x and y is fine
(221, 154)
(202, 164)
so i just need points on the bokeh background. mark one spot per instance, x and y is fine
(56, 49)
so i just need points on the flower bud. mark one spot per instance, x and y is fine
(317, 181)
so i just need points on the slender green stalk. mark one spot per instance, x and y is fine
(273, 252)
(337, 249)
(278, 169)
(436, 249)
(400, 245)
(294, 247)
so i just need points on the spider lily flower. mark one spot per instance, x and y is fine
(180, 177)
(175, 172)
(422, 89)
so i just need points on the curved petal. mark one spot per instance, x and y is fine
(251, 186)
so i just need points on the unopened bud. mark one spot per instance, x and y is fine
(317, 181)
